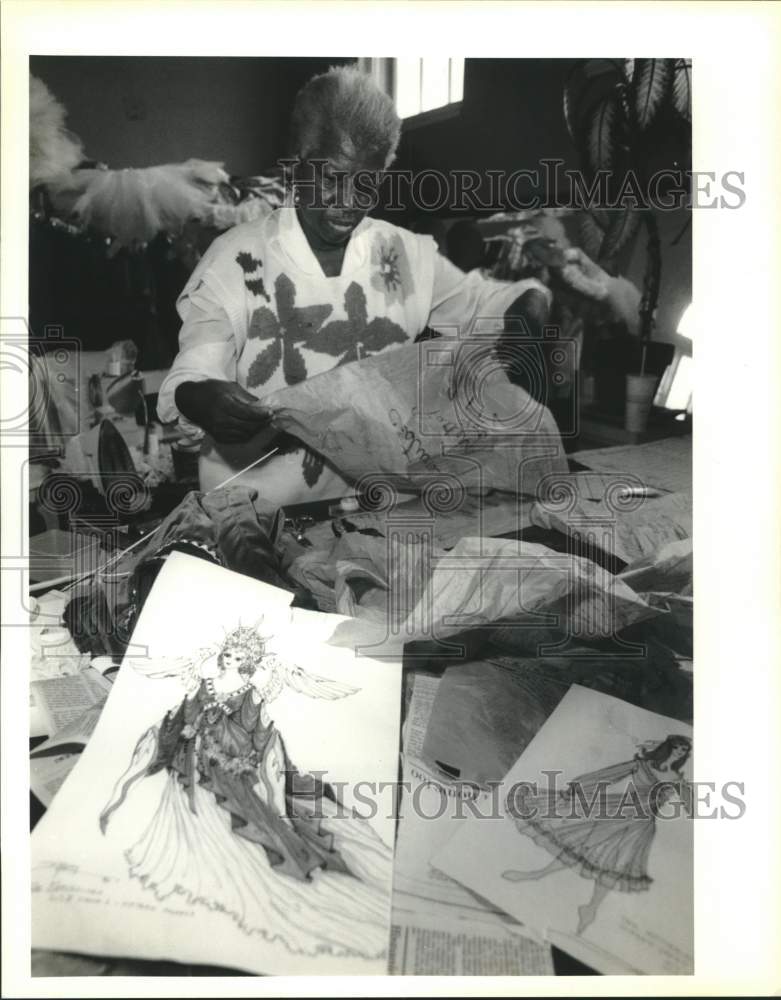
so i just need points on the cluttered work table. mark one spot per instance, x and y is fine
(603, 629)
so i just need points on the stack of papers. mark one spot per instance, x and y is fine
(440, 927)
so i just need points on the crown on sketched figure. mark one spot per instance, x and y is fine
(246, 639)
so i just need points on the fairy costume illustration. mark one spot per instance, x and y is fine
(238, 828)
(606, 835)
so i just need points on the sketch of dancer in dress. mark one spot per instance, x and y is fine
(609, 842)
(238, 829)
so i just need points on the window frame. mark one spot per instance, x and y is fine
(383, 70)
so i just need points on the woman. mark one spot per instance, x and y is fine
(238, 829)
(611, 847)
(314, 285)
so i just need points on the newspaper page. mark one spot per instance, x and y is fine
(73, 736)
(47, 775)
(428, 945)
(53, 760)
(439, 927)
(59, 701)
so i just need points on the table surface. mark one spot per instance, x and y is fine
(45, 963)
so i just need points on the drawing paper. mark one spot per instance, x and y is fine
(644, 918)
(177, 837)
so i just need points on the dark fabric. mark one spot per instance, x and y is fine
(232, 527)
(232, 524)
(226, 751)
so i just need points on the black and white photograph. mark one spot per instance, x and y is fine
(354, 472)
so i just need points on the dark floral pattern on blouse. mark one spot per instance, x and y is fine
(294, 326)
(290, 326)
(357, 336)
(249, 265)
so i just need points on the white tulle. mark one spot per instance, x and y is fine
(133, 206)
(196, 855)
(54, 151)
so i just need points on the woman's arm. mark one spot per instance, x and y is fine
(618, 295)
(201, 391)
(207, 350)
(465, 304)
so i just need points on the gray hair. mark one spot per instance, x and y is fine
(343, 110)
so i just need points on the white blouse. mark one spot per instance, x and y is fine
(258, 310)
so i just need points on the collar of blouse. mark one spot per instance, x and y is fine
(290, 241)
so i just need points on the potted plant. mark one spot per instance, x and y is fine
(629, 116)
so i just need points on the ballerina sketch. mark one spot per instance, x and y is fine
(611, 847)
(238, 828)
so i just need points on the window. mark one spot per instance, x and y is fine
(420, 86)
(426, 84)
(675, 389)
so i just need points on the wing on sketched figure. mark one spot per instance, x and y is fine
(313, 686)
(186, 669)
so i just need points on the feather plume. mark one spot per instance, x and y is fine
(133, 206)
(54, 151)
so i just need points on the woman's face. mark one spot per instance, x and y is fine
(334, 195)
(678, 753)
(233, 659)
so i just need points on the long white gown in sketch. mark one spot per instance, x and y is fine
(239, 830)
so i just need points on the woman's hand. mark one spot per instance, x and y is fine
(582, 275)
(223, 409)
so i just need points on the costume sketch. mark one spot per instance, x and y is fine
(611, 848)
(238, 829)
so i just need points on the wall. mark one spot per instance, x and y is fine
(511, 118)
(140, 111)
